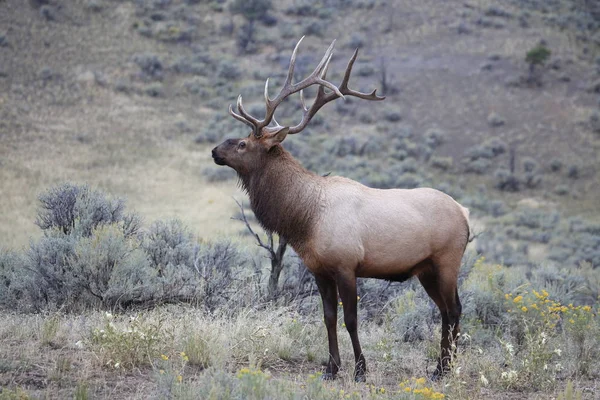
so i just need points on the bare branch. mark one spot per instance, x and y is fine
(244, 219)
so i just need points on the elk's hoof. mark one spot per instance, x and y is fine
(360, 378)
(328, 376)
(438, 374)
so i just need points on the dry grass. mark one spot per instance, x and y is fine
(286, 347)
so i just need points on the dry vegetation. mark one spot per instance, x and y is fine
(129, 97)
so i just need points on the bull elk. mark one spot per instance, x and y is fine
(342, 229)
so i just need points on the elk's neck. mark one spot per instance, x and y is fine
(285, 197)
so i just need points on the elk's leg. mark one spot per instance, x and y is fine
(328, 290)
(441, 286)
(347, 288)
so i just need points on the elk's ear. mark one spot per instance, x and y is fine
(277, 138)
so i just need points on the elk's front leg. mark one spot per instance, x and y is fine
(328, 290)
(347, 288)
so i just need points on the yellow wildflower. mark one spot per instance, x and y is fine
(524, 309)
(179, 378)
(420, 381)
(518, 299)
(407, 389)
(164, 357)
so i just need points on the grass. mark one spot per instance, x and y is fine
(540, 348)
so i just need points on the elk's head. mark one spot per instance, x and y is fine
(249, 154)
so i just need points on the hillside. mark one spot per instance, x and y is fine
(123, 96)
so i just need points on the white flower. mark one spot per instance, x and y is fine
(457, 371)
(558, 352)
(509, 376)
(509, 347)
(108, 315)
(79, 344)
(479, 350)
(483, 379)
(558, 367)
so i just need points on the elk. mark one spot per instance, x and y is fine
(342, 229)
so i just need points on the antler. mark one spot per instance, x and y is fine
(317, 77)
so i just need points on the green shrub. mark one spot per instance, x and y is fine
(538, 55)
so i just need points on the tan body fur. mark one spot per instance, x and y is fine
(383, 233)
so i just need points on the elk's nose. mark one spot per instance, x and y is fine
(214, 152)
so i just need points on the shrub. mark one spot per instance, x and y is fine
(315, 28)
(414, 316)
(11, 290)
(442, 163)
(434, 138)
(561, 189)
(251, 9)
(555, 165)
(532, 180)
(149, 64)
(73, 209)
(92, 255)
(595, 121)
(478, 166)
(506, 181)
(536, 219)
(215, 265)
(228, 70)
(529, 164)
(48, 12)
(154, 89)
(538, 55)
(495, 120)
(573, 171)
(392, 115)
(47, 278)
(94, 5)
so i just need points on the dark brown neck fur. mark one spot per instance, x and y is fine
(285, 197)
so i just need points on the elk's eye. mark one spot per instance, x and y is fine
(242, 145)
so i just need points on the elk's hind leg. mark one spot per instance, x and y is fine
(328, 290)
(440, 282)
